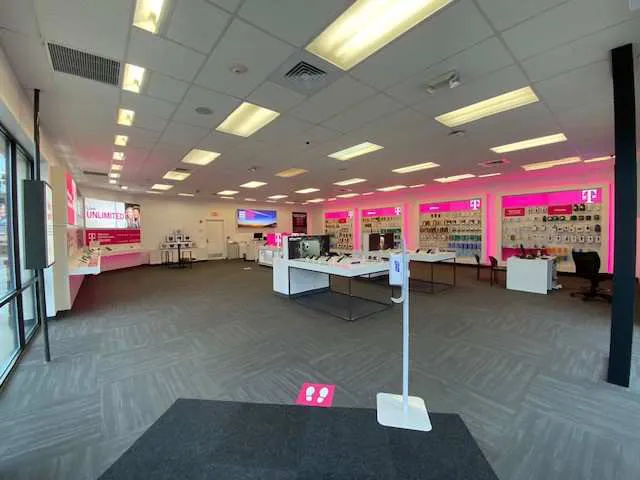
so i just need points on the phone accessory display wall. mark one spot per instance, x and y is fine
(382, 221)
(555, 223)
(454, 226)
(339, 227)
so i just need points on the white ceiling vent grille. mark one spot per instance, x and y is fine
(83, 64)
(305, 71)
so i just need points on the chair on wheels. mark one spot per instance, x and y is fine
(588, 267)
(493, 266)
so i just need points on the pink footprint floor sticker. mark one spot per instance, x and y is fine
(316, 395)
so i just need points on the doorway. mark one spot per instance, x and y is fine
(215, 239)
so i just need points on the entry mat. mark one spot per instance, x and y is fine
(202, 439)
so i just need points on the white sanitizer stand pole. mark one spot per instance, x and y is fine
(402, 411)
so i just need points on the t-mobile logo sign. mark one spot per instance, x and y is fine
(398, 210)
(589, 196)
(475, 204)
(92, 237)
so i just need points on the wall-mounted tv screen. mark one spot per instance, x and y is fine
(256, 218)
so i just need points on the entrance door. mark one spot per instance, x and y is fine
(215, 239)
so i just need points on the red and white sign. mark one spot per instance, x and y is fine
(343, 215)
(514, 212)
(559, 210)
(316, 395)
(71, 199)
(112, 236)
(104, 214)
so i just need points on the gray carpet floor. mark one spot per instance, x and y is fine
(523, 371)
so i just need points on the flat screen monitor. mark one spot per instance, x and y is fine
(257, 236)
(256, 218)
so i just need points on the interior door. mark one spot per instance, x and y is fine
(215, 239)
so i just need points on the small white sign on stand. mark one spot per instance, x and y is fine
(402, 411)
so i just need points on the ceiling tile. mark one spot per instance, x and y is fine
(586, 50)
(183, 134)
(93, 26)
(296, 21)
(246, 45)
(506, 14)
(282, 128)
(150, 122)
(156, 53)
(197, 24)
(222, 106)
(364, 112)
(471, 64)
(453, 29)
(166, 88)
(19, 17)
(230, 5)
(220, 142)
(35, 73)
(565, 23)
(338, 96)
(148, 105)
(138, 137)
(275, 97)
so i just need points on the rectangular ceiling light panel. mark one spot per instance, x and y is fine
(147, 14)
(119, 156)
(277, 197)
(116, 168)
(551, 163)
(308, 190)
(348, 195)
(200, 157)
(416, 168)
(126, 117)
(176, 175)
(486, 175)
(486, 108)
(351, 181)
(600, 159)
(186, 194)
(132, 78)
(393, 188)
(114, 175)
(247, 119)
(454, 178)
(121, 140)
(531, 143)
(356, 151)
(291, 172)
(420, 185)
(253, 184)
(367, 26)
(161, 186)
(316, 200)
(227, 192)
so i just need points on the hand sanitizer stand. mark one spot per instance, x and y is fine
(402, 411)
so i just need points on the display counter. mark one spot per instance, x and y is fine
(266, 255)
(93, 261)
(536, 275)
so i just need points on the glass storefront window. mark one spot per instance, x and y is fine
(6, 261)
(23, 169)
(9, 340)
(30, 313)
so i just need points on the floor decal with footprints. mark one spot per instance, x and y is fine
(316, 395)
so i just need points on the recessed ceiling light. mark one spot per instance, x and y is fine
(116, 168)
(228, 198)
(486, 175)
(119, 156)
(114, 175)
(151, 191)
(200, 157)
(308, 190)
(277, 197)
(147, 14)
(356, 151)
(227, 192)
(121, 140)
(132, 78)
(367, 194)
(186, 194)
(420, 185)
(270, 201)
(247, 119)
(176, 175)
(600, 159)
(290, 203)
(291, 172)
(367, 26)
(551, 163)
(126, 117)
(486, 108)
(393, 188)
(253, 184)
(315, 200)
(203, 110)
(531, 143)
(113, 182)
(454, 178)
(416, 168)
(124, 187)
(161, 186)
(348, 195)
(250, 200)
(351, 181)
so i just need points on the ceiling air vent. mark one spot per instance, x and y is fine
(83, 64)
(494, 163)
(305, 71)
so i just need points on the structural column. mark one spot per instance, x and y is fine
(623, 309)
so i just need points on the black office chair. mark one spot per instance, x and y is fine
(588, 267)
(493, 267)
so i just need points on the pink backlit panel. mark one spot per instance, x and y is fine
(338, 215)
(455, 206)
(567, 197)
(382, 212)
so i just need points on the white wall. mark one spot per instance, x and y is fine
(163, 213)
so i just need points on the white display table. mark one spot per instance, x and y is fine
(531, 275)
(266, 255)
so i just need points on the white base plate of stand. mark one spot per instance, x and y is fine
(390, 413)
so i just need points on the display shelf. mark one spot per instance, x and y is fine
(555, 223)
(455, 226)
(381, 221)
(339, 227)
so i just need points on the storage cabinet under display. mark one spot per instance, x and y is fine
(339, 227)
(555, 223)
(383, 221)
(453, 226)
